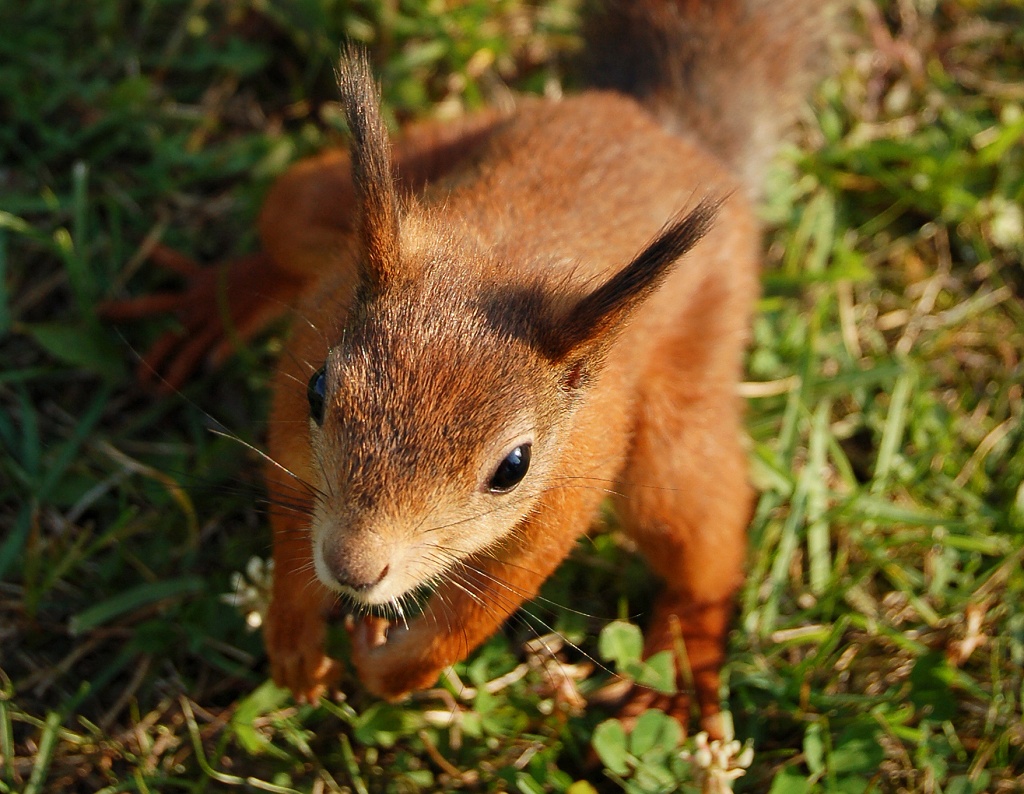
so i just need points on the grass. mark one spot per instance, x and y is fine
(880, 640)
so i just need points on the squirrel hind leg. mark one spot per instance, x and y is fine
(686, 502)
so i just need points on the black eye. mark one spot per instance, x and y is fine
(511, 471)
(316, 391)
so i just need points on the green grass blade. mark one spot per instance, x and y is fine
(819, 557)
(47, 742)
(128, 601)
(892, 432)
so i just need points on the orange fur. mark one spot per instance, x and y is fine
(659, 422)
(512, 279)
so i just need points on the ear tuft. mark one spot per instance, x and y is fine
(371, 169)
(596, 318)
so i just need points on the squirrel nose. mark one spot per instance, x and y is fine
(358, 580)
(352, 561)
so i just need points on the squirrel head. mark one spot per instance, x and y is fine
(444, 406)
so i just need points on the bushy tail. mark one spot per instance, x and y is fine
(730, 72)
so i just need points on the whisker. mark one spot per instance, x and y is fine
(523, 593)
(279, 466)
(524, 613)
(323, 473)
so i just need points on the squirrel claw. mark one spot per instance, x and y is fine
(294, 634)
(309, 678)
(388, 659)
(368, 633)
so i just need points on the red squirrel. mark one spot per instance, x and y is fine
(505, 318)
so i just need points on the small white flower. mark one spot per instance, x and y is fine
(250, 592)
(1007, 223)
(717, 763)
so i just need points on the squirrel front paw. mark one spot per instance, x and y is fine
(392, 660)
(294, 639)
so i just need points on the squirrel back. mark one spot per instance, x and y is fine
(732, 73)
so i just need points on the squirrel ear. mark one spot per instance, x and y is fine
(594, 320)
(372, 175)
